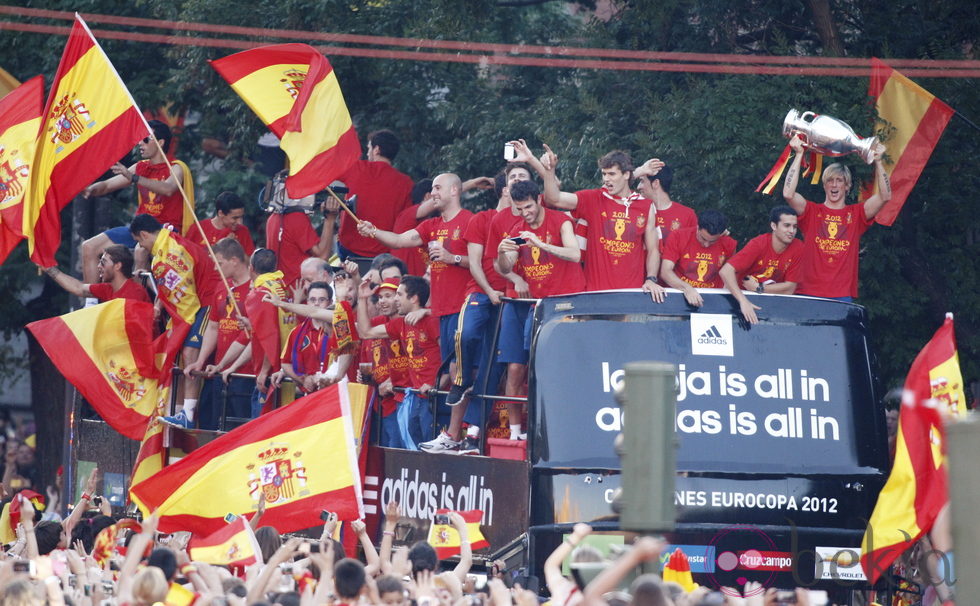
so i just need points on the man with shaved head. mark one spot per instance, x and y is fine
(449, 264)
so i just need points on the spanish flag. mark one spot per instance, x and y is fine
(177, 275)
(445, 539)
(678, 570)
(233, 545)
(105, 544)
(89, 123)
(913, 120)
(293, 89)
(20, 119)
(151, 457)
(916, 489)
(107, 353)
(301, 457)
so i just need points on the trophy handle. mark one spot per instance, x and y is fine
(804, 115)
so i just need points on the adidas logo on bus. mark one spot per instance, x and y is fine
(712, 336)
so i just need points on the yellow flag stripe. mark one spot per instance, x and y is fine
(902, 103)
(93, 84)
(108, 331)
(325, 119)
(266, 92)
(218, 554)
(19, 141)
(895, 510)
(318, 445)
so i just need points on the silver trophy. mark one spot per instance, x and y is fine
(828, 136)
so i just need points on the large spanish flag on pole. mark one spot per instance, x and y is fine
(107, 353)
(89, 123)
(301, 457)
(916, 489)
(914, 119)
(294, 90)
(20, 119)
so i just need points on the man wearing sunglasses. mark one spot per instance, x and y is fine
(157, 190)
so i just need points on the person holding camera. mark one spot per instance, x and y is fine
(621, 246)
(545, 253)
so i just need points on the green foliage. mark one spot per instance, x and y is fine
(720, 132)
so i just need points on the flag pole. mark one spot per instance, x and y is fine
(188, 207)
(965, 119)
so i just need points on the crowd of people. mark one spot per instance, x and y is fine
(436, 276)
(91, 558)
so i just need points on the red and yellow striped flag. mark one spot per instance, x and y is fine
(445, 539)
(293, 89)
(20, 119)
(7, 82)
(301, 457)
(90, 121)
(916, 489)
(233, 545)
(915, 119)
(107, 353)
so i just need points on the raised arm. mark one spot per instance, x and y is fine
(300, 309)
(795, 200)
(553, 196)
(390, 239)
(646, 549)
(69, 283)
(874, 204)
(552, 566)
(465, 550)
(364, 328)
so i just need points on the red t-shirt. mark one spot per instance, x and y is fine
(377, 353)
(165, 209)
(546, 274)
(615, 252)
(416, 257)
(477, 232)
(382, 192)
(674, 217)
(131, 289)
(503, 225)
(759, 260)
(306, 349)
(421, 346)
(695, 264)
(230, 328)
(213, 234)
(831, 239)
(448, 281)
(291, 236)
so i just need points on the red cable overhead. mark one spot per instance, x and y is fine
(516, 55)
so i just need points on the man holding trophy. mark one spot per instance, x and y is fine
(832, 231)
